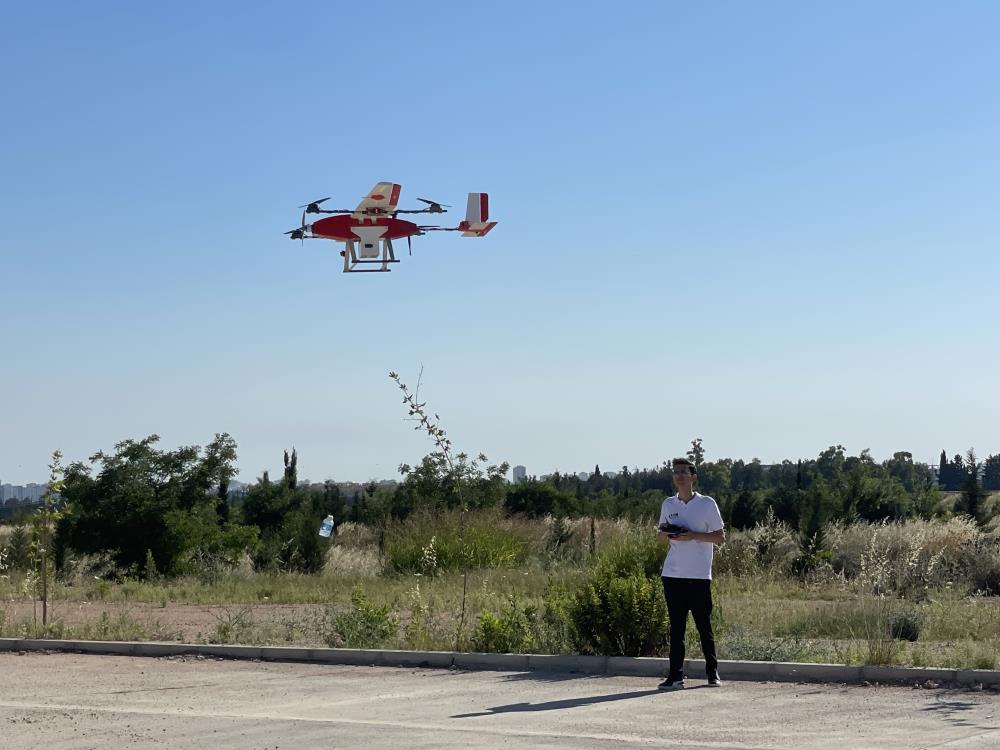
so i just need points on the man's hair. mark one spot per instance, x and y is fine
(685, 462)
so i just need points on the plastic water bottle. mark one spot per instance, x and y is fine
(326, 528)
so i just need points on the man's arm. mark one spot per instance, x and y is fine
(715, 537)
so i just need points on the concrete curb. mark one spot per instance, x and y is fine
(653, 667)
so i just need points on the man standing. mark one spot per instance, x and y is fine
(695, 527)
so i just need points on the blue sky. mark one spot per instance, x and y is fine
(772, 226)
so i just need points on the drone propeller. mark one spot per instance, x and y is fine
(409, 244)
(313, 208)
(433, 206)
(300, 233)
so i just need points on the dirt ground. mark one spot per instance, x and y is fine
(190, 623)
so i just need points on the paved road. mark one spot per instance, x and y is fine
(61, 701)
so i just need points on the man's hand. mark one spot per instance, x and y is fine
(713, 537)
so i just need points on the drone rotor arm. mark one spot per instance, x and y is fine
(313, 207)
(433, 207)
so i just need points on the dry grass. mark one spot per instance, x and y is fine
(358, 562)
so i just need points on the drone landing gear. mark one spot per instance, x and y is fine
(370, 254)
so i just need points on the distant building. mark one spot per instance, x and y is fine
(520, 474)
(16, 494)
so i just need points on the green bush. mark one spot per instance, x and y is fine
(620, 615)
(18, 549)
(527, 627)
(557, 634)
(619, 609)
(637, 550)
(295, 546)
(906, 626)
(811, 560)
(365, 626)
(982, 567)
(771, 547)
(433, 544)
(513, 631)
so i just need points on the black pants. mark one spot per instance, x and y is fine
(692, 595)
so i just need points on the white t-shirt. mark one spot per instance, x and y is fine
(690, 559)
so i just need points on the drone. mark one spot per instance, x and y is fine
(368, 230)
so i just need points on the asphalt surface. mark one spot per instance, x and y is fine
(59, 701)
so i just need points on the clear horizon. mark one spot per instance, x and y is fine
(771, 226)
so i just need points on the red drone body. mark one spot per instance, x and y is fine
(341, 228)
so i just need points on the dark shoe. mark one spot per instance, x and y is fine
(673, 682)
(713, 680)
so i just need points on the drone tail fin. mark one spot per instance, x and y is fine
(477, 214)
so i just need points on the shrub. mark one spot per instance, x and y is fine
(619, 609)
(120, 628)
(557, 634)
(350, 561)
(877, 614)
(634, 551)
(913, 556)
(19, 549)
(428, 629)
(149, 569)
(810, 561)
(513, 631)
(619, 615)
(233, 626)
(294, 546)
(770, 547)
(558, 536)
(442, 542)
(365, 626)
(979, 566)
(905, 626)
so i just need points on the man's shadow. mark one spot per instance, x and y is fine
(571, 702)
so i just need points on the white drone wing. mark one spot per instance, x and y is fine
(382, 198)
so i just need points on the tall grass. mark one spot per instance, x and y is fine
(434, 543)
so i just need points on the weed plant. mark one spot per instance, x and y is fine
(366, 625)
